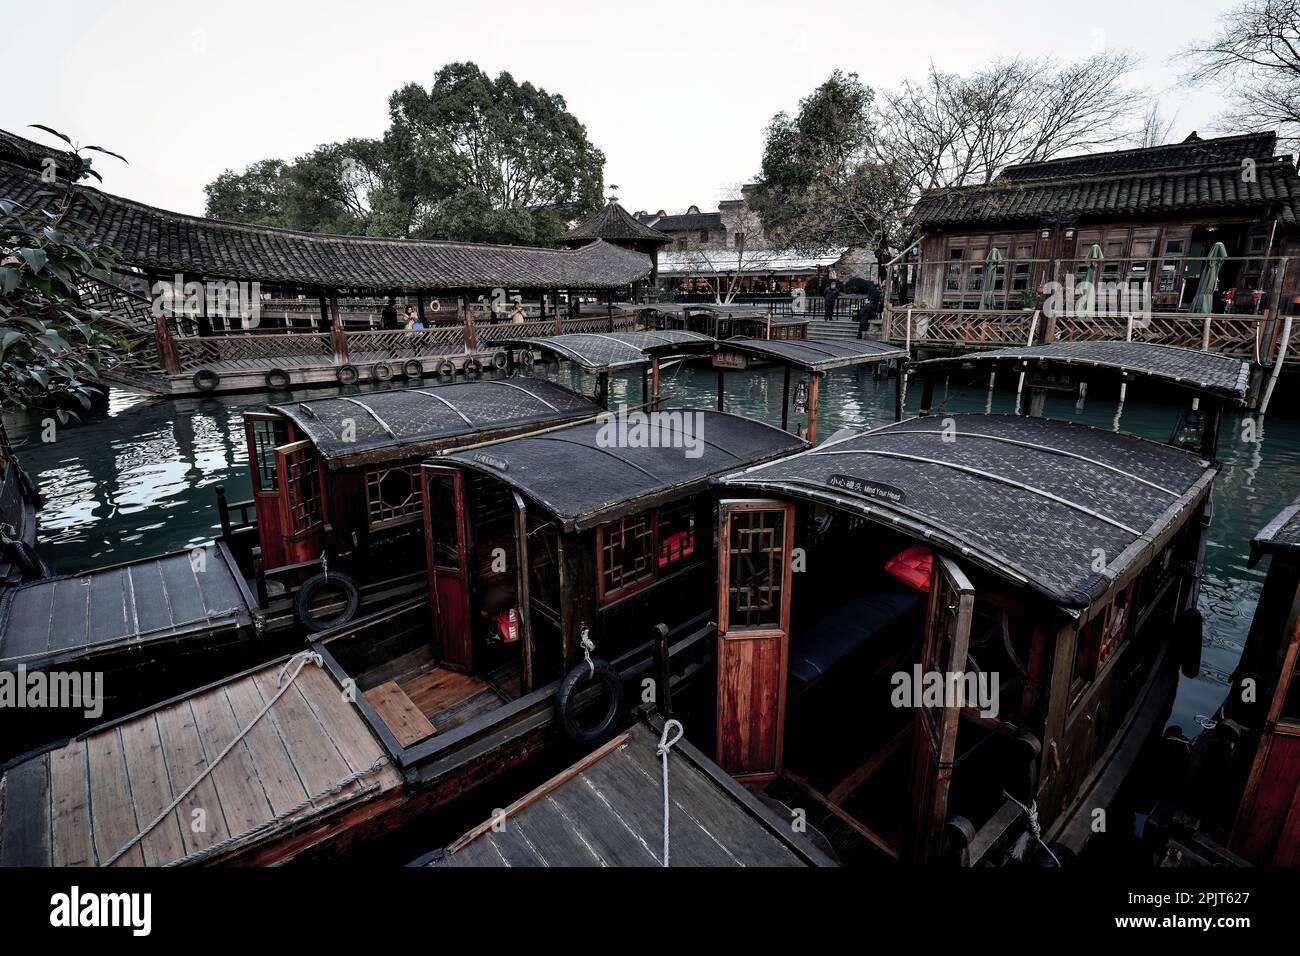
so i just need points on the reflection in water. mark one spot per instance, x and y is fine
(138, 479)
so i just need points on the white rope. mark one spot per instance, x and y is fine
(1035, 831)
(587, 648)
(303, 659)
(665, 745)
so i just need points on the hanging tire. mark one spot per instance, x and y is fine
(277, 379)
(27, 485)
(413, 369)
(206, 380)
(302, 601)
(347, 374)
(526, 358)
(1191, 627)
(447, 369)
(602, 673)
(500, 360)
(472, 366)
(381, 371)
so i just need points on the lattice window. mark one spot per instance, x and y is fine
(626, 549)
(268, 434)
(676, 532)
(393, 495)
(755, 558)
(303, 487)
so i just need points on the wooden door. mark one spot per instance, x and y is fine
(301, 501)
(755, 541)
(446, 544)
(263, 434)
(934, 729)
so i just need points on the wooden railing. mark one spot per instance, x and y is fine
(1251, 337)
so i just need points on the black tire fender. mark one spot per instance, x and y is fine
(26, 557)
(277, 379)
(500, 360)
(206, 380)
(302, 601)
(413, 368)
(381, 371)
(347, 374)
(447, 369)
(472, 366)
(597, 672)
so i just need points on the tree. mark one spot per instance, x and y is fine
(490, 159)
(471, 158)
(51, 346)
(1256, 55)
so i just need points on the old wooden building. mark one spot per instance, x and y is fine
(1153, 215)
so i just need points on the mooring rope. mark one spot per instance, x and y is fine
(587, 648)
(303, 659)
(1035, 831)
(665, 745)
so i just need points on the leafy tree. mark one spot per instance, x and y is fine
(51, 346)
(470, 158)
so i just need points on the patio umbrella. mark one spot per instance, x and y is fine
(991, 263)
(1203, 301)
(1088, 301)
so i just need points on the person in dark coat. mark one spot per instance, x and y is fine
(870, 308)
(832, 293)
(388, 316)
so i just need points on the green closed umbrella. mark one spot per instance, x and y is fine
(1203, 301)
(989, 286)
(1088, 301)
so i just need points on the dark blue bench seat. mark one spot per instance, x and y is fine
(817, 649)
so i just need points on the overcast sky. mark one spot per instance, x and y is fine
(677, 94)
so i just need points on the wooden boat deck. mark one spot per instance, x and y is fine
(607, 810)
(80, 804)
(143, 601)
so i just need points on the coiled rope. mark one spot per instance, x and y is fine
(673, 727)
(302, 660)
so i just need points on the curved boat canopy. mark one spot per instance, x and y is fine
(421, 421)
(607, 351)
(809, 355)
(593, 472)
(1203, 373)
(1034, 501)
(1279, 536)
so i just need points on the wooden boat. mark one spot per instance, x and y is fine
(19, 503)
(450, 704)
(607, 810)
(1063, 569)
(1237, 802)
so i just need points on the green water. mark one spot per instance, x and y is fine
(138, 478)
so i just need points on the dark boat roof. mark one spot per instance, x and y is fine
(154, 599)
(1206, 373)
(1029, 499)
(606, 351)
(607, 810)
(809, 355)
(1279, 536)
(416, 422)
(583, 477)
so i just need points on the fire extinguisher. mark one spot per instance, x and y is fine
(507, 625)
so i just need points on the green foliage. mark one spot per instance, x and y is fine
(50, 344)
(472, 158)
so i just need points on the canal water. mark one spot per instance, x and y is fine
(139, 477)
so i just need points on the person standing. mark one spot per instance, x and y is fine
(870, 307)
(388, 317)
(831, 295)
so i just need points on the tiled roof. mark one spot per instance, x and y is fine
(1194, 175)
(615, 224)
(24, 152)
(686, 222)
(163, 241)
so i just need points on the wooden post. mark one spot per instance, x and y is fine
(654, 384)
(785, 401)
(419, 308)
(470, 337)
(168, 360)
(1205, 336)
(720, 387)
(813, 388)
(559, 323)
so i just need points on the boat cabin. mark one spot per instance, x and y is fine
(335, 480)
(925, 628)
(1263, 709)
(1211, 381)
(535, 544)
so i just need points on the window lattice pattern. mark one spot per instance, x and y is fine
(393, 494)
(627, 549)
(267, 436)
(757, 553)
(303, 486)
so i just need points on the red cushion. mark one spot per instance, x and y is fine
(912, 567)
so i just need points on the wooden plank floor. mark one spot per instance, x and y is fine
(78, 805)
